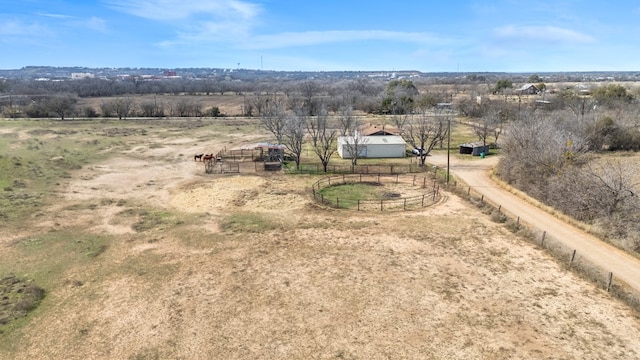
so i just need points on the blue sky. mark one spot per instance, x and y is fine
(328, 35)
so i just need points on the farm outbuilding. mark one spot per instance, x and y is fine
(475, 148)
(528, 89)
(379, 130)
(389, 146)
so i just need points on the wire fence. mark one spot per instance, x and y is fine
(357, 169)
(568, 256)
(428, 190)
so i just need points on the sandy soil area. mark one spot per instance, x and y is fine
(443, 282)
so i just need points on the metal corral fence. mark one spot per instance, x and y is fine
(239, 155)
(221, 167)
(570, 257)
(239, 161)
(358, 169)
(428, 185)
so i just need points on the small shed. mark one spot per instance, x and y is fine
(475, 148)
(379, 146)
(528, 89)
(275, 153)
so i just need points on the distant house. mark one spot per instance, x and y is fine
(583, 89)
(476, 148)
(379, 130)
(528, 89)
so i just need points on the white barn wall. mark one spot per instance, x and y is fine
(386, 151)
(391, 146)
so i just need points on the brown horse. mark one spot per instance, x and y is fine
(207, 157)
(197, 157)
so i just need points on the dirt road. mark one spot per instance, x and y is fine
(475, 173)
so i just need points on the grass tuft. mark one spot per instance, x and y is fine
(17, 298)
(247, 222)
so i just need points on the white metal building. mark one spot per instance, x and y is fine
(389, 146)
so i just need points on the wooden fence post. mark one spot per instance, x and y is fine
(358, 204)
(573, 256)
(610, 282)
(544, 234)
(337, 203)
(381, 205)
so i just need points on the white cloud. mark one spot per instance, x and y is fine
(542, 33)
(308, 38)
(195, 21)
(19, 28)
(169, 10)
(56, 16)
(93, 23)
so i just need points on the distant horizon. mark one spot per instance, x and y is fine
(465, 36)
(318, 71)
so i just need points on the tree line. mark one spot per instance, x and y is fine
(562, 156)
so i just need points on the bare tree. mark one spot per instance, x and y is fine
(183, 107)
(293, 136)
(401, 120)
(106, 108)
(347, 121)
(274, 118)
(153, 108)
(489, 125)
(122, 107)
(324, 138)
(579, 105)
(313, 128)
(62, 105)
(537, 149)
(612, 186)
(309, 90)
(353, 140)
(425, 132)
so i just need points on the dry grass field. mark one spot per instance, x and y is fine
(144, 256)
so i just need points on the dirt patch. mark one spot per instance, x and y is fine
(246, 192)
